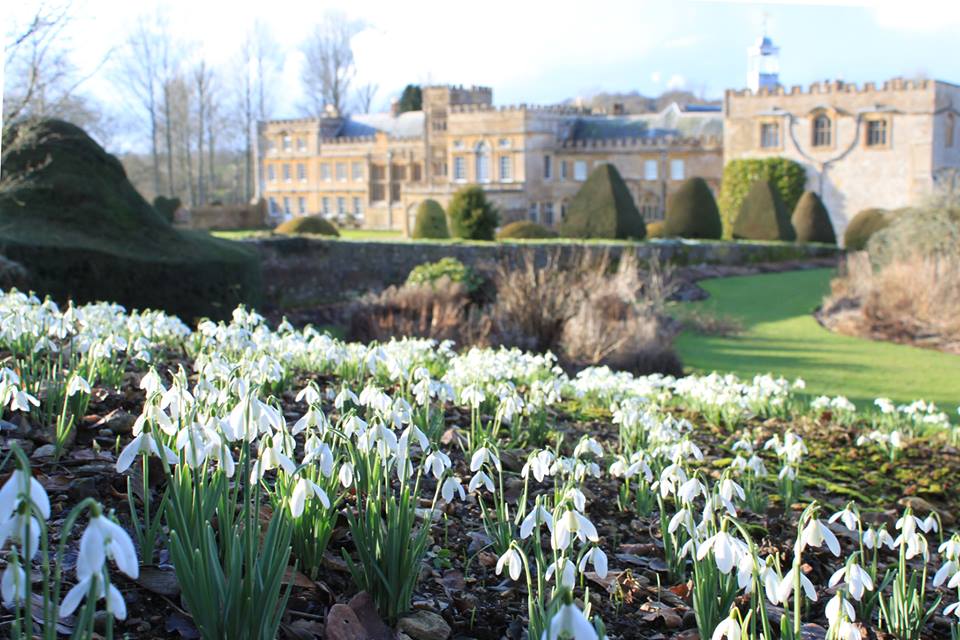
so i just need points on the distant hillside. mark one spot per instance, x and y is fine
(634, 102)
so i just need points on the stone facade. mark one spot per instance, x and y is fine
(375, 169)
(863, 146)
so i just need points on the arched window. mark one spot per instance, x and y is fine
(822, 131)
(483, 162)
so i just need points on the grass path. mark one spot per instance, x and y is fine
(782, 337)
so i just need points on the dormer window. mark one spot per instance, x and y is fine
(287, 143)
(504, 143)
(822, 131)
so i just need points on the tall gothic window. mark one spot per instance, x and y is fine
(483, 162)
(822, 131)
(951, 130)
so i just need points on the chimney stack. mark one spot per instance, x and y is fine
(394, 107)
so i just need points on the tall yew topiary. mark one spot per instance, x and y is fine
(787, 176)
(603, 208)
(692, 212)
(431, 221)
(763, 215)
(811, 222)
(472, 216)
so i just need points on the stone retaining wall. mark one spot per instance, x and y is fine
(301, 271)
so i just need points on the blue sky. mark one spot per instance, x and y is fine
(543, 52)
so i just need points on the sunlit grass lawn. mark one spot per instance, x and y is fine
(781, 336)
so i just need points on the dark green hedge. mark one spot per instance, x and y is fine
(472, 216)
(431, 221)
(308, 224)
(787, 176)
(692, 212)
(811, 221)
(525, 230)
(82, 231)
(763, 215)
(603, 208)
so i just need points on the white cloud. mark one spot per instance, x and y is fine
(676, 81)
(655, 77)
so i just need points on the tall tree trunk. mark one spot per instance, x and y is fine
(168, 130)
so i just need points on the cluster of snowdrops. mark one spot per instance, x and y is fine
(365, 444)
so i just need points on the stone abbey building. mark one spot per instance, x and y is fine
(867, 146)
(375, 169)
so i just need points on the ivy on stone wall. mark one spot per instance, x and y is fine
(789, 178)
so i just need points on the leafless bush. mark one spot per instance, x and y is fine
(587, 309)
(439, 311)
(914, 300)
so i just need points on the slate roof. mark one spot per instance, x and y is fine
(405, 125)
(683, 122)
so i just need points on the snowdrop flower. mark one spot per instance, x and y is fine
(480, 478)
(785, 588)
(102, 539)
(597, 558)
(690, 489)
(345, 395)
(450, 487)
(513, 561)
(856, 578)
(588, 445)
(539, 464)
(11, 497)
(569, 622)
(953, 609)
(14, 585)
(841, 614)
(565, 570)
(144, 443)
(873, 539)
(303, 489)
(573, 523)
(437, 462)
(728, 628)
(21, 401)
(345, 475)
(816, 533)
(482, 456)
(538, 516)
(727, 550)
(848, 516)
(309, 395)
(78, 385)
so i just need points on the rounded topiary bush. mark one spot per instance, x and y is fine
(525, 230)
(431, 221)
(863, 226)
(307, 224)
(656, 229)
(692, 212)
(603, 208)
(811, 222)
(472, 216)
(763, 215)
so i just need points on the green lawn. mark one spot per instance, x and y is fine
(782, 337)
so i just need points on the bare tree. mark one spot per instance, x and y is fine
(329, 65)
(140, 74)
(202, 84)
(365, 96)
(258, 62)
